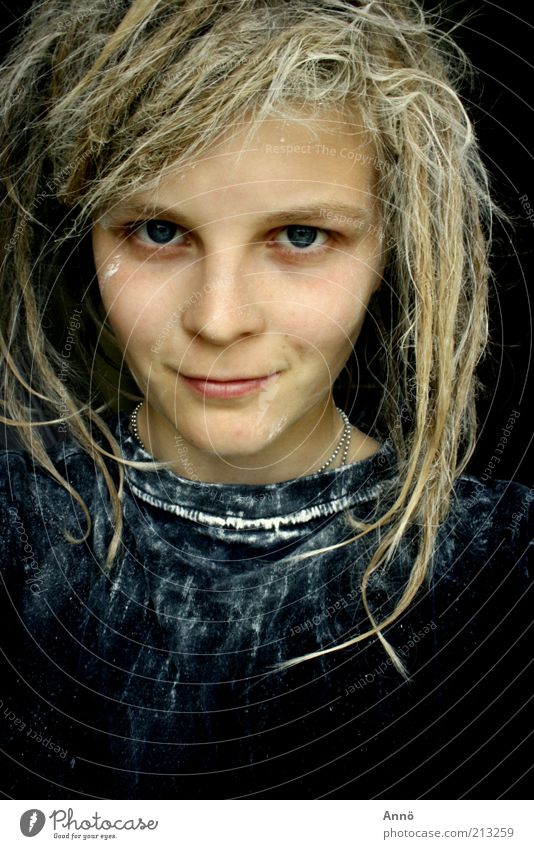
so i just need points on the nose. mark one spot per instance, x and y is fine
(223, 304)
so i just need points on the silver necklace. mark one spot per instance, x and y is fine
(344, 442)
(133, 425)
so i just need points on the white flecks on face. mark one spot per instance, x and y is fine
(266, 396)
(105, 222)
(277, 428)
(111, 269)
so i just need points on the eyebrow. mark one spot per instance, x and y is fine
(340, 213)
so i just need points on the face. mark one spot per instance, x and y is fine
(237, 290)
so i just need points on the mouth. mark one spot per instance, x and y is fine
(236, 387)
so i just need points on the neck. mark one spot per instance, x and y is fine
(301, 448)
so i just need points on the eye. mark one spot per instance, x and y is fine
(157, 231)
(298, 237)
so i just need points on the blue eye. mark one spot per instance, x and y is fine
(158, 232)
(300, 236)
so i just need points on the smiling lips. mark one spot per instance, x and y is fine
(235, 388)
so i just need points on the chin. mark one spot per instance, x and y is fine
(232, 448)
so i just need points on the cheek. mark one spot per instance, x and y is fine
(328, 325)
(134, 315)
(348, 310)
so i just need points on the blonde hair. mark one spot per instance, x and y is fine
(99, 101)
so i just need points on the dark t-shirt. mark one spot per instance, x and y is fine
(157, 681)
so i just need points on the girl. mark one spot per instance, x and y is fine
(226, 571)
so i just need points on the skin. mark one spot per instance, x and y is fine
(229, 293)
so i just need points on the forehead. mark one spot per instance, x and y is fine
(262, 166)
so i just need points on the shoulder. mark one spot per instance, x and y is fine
(487, 490)
(19, 466)
(20, 471)
(29, 489)
(40, 518)
(498, 508)
(36, 510)
(483, 548)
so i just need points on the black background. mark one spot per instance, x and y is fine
(498, 41)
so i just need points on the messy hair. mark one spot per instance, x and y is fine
(98, 101)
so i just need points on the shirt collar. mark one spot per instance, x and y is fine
(250, 506)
